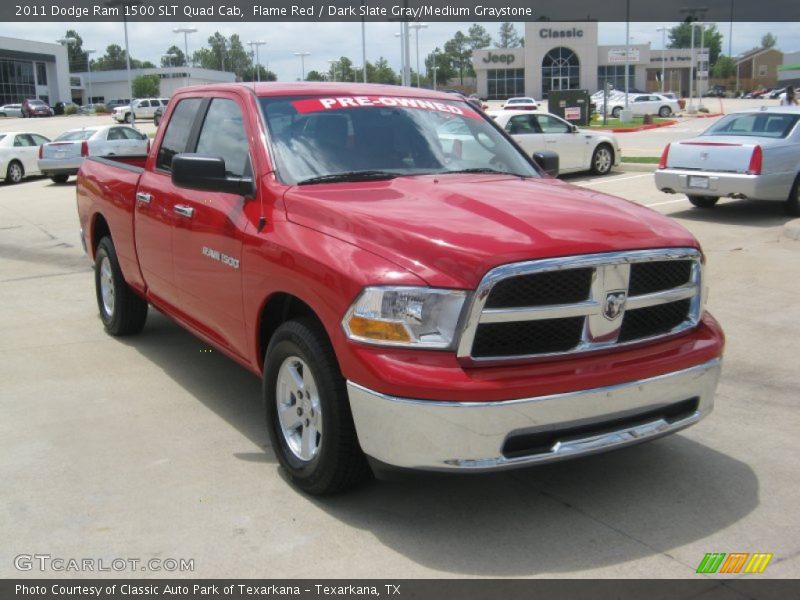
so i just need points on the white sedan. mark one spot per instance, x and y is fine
(18, 152)
(63, 156)
(11, 110)
(577, 149)
(521, 103)
(642, 104)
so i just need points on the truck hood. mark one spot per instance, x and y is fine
(451, 229)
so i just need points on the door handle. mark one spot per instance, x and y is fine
(183, 210)
(143, 197)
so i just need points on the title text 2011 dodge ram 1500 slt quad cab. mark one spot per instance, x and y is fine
(409, 284)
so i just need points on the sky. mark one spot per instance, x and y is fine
(326, 41)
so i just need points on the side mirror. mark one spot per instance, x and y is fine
(547, 161)
(574, 128)
(200, 172)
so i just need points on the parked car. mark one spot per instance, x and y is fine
(718, 91)
(112, 104)
(751, 154)
(397, 301)
(521, 103)
(775, 94)
(643, 104)
(577, 149)
(63, 156)
(11, 110)
(33, 107)
(18, 153)
(141, 109)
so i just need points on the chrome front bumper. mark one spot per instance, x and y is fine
(467, 436)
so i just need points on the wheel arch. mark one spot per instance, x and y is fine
(276, 309)
(99, 230)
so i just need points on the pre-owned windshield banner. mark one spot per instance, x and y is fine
(409, 10)
(310, 105)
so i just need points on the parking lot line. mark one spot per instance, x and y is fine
(613, 180)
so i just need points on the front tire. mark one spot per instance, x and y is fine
(14, 172)
(616, 112)
(664, 112)
(122, 311)
(127, 118)
(602, 159)
(308, 411)
(703, 201)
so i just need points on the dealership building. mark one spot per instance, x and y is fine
(566, 56)
(33, 70)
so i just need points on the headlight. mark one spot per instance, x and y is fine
(415, 317)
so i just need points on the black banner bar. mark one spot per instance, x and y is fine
(404, 589)
(412, 10)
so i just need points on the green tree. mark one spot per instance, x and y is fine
(145, 86)
(680, 36)
(178, 58)
(75, 55)
(315, 76)
(724, 68)
(251, 74)
(237, 59)
(768, 40)
(113, 59)
(381, 72)
(508, 37)
(341, 70)
(458, 53)
(478, 37)
(444, 71)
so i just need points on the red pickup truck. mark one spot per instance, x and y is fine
(413, 289)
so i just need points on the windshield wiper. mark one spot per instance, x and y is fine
(349, 176)
(481, 170)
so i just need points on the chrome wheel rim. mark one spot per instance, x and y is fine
(299, 409)
(107, 286)
(15, 173)
(602, 160)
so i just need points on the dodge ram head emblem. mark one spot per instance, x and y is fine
(615, 302)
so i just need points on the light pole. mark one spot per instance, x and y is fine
(663, 31)
(302, 56)
(258, 60)
(434, 67)
(704, 70)
(65, 41)
(417, 27)
(89, 73)
(185, 31)
(355, 73)
(692, 12)
(121, 4)
(364, 44)
(333, 67)
(627, 49)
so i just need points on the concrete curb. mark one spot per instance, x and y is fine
(791, 229)
(637, 167)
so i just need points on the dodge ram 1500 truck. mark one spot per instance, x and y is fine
(413, 289)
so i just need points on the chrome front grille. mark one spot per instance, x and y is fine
(563, 306)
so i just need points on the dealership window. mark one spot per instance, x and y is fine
(16, 81)
(41, 74)
(505, 83)
(561, 70)
(615, 75)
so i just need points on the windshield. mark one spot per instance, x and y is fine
(316, 138)
(76, 135)
(772, 125)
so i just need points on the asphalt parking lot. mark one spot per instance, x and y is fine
(153, 446)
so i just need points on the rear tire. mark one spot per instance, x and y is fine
(15, 172)
(122, 311)
(127, 117)
(59, 178)
(792, 205)
(602, 159)
(616, 112)
(703, 201)
(308, 411)
(664, 112)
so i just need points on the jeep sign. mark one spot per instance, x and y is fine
(499, 58)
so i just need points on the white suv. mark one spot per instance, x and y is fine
(143, 108)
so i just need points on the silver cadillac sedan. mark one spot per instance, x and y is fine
(751, 154)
